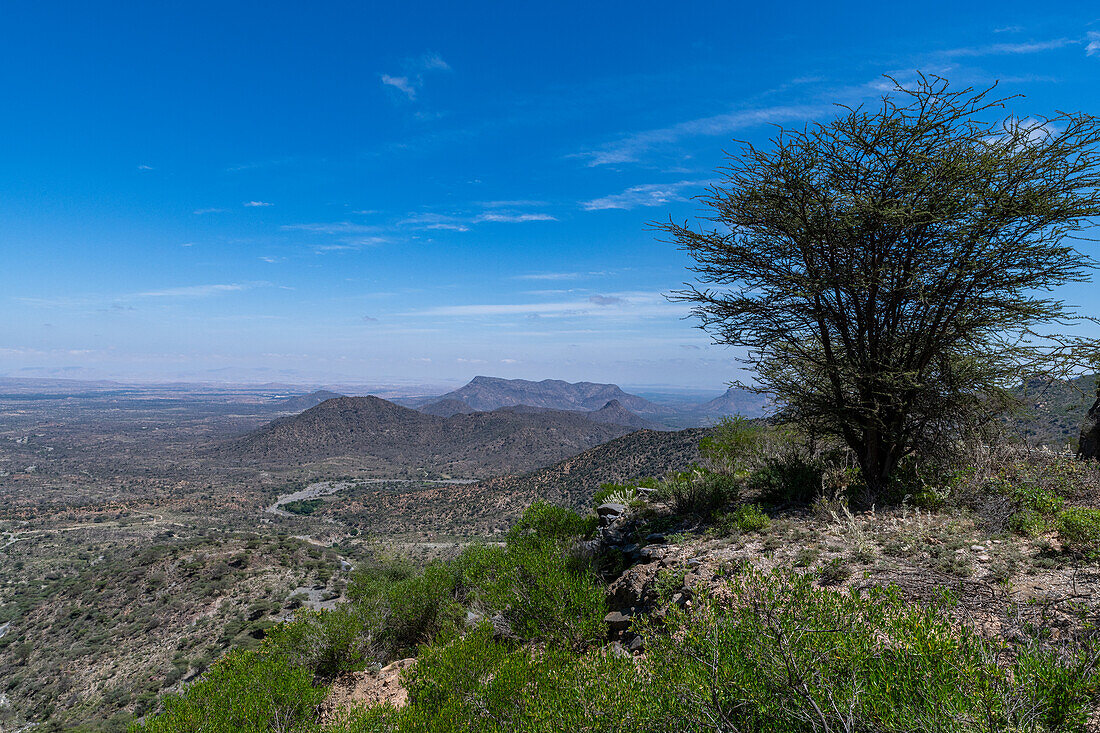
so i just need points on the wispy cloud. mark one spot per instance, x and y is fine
(197, 291)
(256, 204)
(412, 80)
(650, 194)
(512, 218)
(1094, 44)
(212, 210)
(333, 227)
(613, 305)
(631, 147)
(144, 167)
(1002, 49)
(558, 275)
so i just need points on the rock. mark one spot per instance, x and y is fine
(649, 554)
(656, 538)
(609, 512)
(630, 549)
(615, 649)
(1088, 445)
(984, 558)
(617, 621)
(636, 645)
(693, 563)
(978, 548)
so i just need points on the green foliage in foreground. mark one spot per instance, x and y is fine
(246, 692)
(776, 655)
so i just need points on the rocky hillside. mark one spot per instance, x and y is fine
(572, 481)
(377, 432)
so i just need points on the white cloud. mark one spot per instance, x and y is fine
(195, 291)
(255, 204)
(336, 227)
(1002, 49)
(630, 148)
(513, 218)
(1094, 44)
(144, 167)
(400, 83)
(200, 212)
(558, 275)
(650, 194)
(412, 80)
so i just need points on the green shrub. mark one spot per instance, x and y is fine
(613, 492)
(245, 692)
(1027, 522)
(1079, 530)
(788, 480)
(325, 642)
(746, 518)
(731, 444)
(699, 492)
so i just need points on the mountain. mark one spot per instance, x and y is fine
(1053, 410)
(299, 403)
(735, 401)
(613, 413)
(446, 408)
(491, 393)
(373, 433)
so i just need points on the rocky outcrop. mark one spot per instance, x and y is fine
(1089, 444)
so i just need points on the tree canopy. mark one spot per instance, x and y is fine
(890, 272)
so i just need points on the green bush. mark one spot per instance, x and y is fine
(324, 642)
(699, 492)
(746, 518)
(731, 444)
(1027, 522)
(787, 480)
(245, 692)
(1079, 530)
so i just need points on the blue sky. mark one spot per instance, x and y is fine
(421, 192)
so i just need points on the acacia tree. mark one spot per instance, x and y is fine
(890, 272)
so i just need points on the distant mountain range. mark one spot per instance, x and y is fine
(375, 432)
(609, 400)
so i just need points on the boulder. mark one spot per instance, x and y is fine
(1089, 444)
(609, 512)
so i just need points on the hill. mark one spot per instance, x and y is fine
(491, 393)
(1053, 410)
(572, 481)
(446, 408)
(613, 413)
(735, 401)
(377, 433)
(299, 403)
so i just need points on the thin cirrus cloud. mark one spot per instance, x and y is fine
(257, 204)
(1093, 48)
(559, 275)
(650, 194)
(631, 148)
(410, 82)
(1001, 49)
(625, 305)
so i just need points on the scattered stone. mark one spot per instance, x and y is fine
(636, 645)
(984, 558)
(978, 548)
(617, 621)
(693, 563)
(656, 538)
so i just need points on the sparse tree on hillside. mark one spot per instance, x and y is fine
(889, 272)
